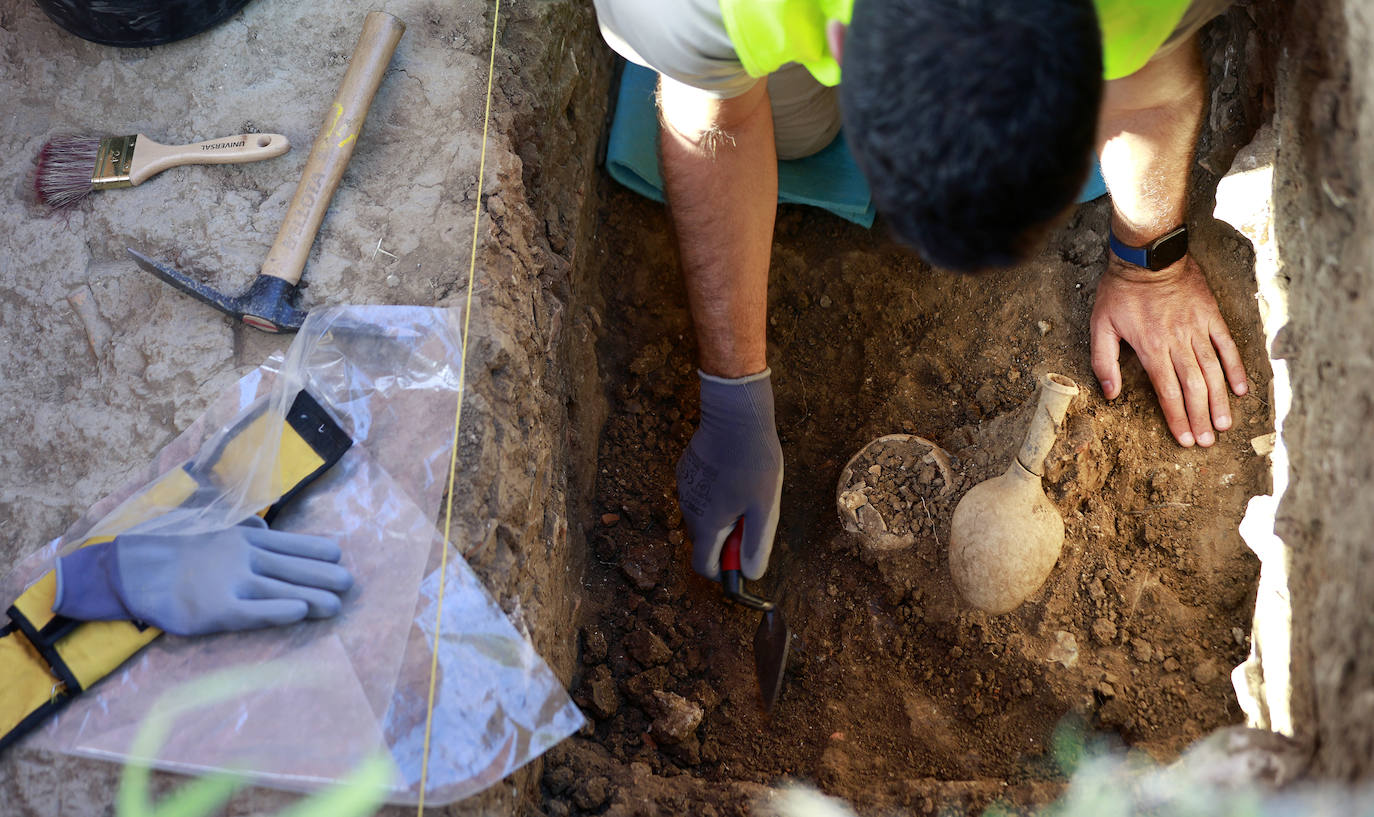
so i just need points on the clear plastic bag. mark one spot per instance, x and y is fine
(340, 689)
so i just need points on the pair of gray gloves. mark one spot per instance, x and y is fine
(731, 473)
(238, 578)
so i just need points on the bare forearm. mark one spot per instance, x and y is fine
(1168, 316)
(720, 170)
(1146, 139)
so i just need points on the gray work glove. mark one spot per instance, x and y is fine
(238, 578)
(732, 468)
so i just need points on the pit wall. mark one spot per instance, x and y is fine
(535, 408)
(534, 404)
(1324, 208)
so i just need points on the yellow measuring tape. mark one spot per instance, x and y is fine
(457, 417)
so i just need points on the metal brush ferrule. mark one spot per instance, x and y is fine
(112, 162)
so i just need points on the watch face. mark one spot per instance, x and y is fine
(1167, 249)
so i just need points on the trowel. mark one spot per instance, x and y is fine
(773, 640)
(1005, 536)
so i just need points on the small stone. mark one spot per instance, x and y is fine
(676, 718)
(1172, 665)
(605, 701)
(393, 280)
(1265, 443)
(1096, 590)
(647, 648)
(1065, 649)
(1107, 690)
(1044, 327)
(609, 519)
(853, 500)
(875, 469)
(1239, 635)
(1104, 631)
(870, 519)
(826, 302)
(1142, 649)
(592, 794)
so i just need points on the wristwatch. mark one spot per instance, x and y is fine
(1156, 255)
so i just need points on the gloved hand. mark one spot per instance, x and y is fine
(238, 578)
(732, 468)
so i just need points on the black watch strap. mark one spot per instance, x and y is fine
(1158, 254)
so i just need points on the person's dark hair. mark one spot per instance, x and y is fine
(973, 120)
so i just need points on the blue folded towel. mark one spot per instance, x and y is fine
(1096, 186)
(828, 179)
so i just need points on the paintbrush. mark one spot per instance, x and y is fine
(70, 167)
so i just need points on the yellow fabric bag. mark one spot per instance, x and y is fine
(47, 659)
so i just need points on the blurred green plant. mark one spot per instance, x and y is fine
(362, 793)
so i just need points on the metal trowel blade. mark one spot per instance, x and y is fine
(772, 643)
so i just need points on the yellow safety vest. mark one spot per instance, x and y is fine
(768, 34)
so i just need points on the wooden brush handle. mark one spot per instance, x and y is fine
(333, 147)
(151, 158)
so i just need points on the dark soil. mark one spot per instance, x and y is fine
(897, 694)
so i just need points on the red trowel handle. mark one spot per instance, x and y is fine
(731, 581)
(333, 147)
(729, 557)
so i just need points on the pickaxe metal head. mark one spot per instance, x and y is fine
(268, 303)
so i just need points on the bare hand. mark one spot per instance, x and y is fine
(1170, 318)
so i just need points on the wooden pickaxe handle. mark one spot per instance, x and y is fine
(333, 147)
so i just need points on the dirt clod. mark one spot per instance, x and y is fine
(593, 645)
(592, 794)
(647, 648)
(641, 688)
(1205, 673)
(603, 698)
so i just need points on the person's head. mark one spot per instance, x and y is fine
(973, 120)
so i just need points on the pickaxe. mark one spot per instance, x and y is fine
(269, 302)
